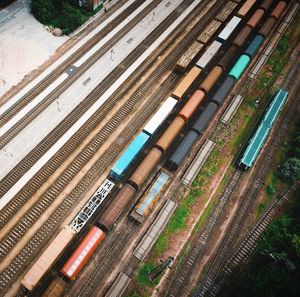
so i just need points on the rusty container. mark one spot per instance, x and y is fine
(55, 289)
(228, 57)
(255, 18)
(246, 7)
(267, 27)
(145, 167)
(243, 35)
(187, 81)
(278, 10)
(170, 134)
(115, 208)
(191, 105)
(44, 263)
(211, 79)
(266, 4)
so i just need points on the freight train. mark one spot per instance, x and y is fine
(97, 233)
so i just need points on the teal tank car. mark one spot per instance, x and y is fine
(239, 67)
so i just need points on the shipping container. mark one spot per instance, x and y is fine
(239, 67)
(267, 27)
(227, 31)
(170, 134)
(278, 10)
(209, 54)
(223, 91)
(82, 253)
(242, 36)
(266, 4)
(211, 79)
(255, 18)
(205, 118)
(155, 230)
(160, 115)
(150, 197)
(48, 258)
(128, 156)
(254, 45)
(246, 7)
(209, 31)
(228, 57)
(55, 289)
(187, 81)
(111, 214)
(226, 11)
(198, 162)
(192, 104)
(145, 167)
(187, 58)
(182, 150)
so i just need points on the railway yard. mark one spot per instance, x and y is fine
(137, 143)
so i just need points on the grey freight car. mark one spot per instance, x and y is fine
(198, 162)
(155, 230)
(119, 286)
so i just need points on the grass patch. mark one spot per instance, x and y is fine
(143, 271)
(271, 188)
(235, 135)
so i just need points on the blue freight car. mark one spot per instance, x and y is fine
(128, 156)
(275, 108)
(149, 198)
(261, 134)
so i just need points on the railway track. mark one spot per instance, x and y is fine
(31, 248)
(182, 275)
(95, 94)
(89, 288)
(10, 179)
(29, 96)
(215, 276)
(248, 245)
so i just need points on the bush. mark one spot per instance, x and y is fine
(290, 170)
(65, 15)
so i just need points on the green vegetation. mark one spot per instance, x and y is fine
(234, 135)
(274, 270)
(289, 169)
(65, 14)
(142, 279)
(271, 186)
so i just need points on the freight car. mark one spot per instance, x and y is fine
(186, 83)
(187, 58)
(198, 162)
(155, 229)
(223, 91)
(109, 217)
(257, 141)
(149, 198)
(55, 289)
(137, 145)
(49, 256)
(119, 286)
(82, 253)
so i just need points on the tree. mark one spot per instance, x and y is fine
(290, 170)
(43, 10)
(71, 18)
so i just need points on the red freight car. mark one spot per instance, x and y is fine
(83, 252)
